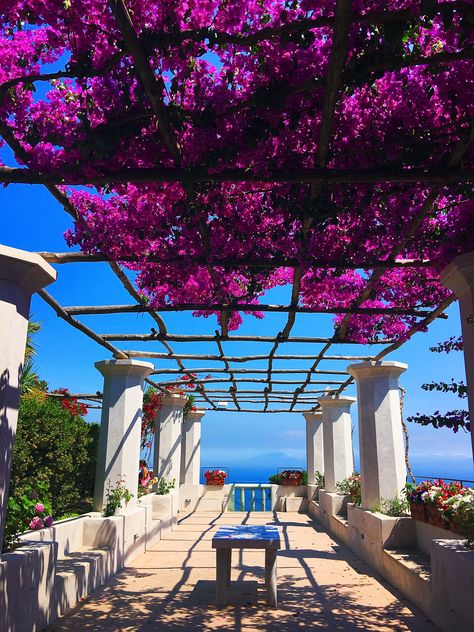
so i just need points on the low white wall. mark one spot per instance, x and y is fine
(447, 598)
(55, 568)
(452, 584)
(291, 498)
(426, 533)
(217, 498)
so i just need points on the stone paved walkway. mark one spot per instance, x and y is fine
(322, 586)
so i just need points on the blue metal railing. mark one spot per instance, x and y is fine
(463, 481)
(251, 497)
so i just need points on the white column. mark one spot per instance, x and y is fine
(314, 444)
(337, 429)
(168, 435)
(191, 448)
(382, 454)
(21, 274)
(120, 427)
(458, 276)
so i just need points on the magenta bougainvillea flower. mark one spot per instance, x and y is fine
(242, 100)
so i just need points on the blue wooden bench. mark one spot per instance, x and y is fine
(265, 537)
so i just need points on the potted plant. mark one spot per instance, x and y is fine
(434, 501)
(291, 477)
(215, 477)
(350, 487)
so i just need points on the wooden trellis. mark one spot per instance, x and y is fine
(230, 370)
(224, 370)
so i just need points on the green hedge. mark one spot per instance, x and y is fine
(54, 447)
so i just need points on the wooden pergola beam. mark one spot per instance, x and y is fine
(179, 383)
(239, 359)
(232, 262)
(432, 175)
(242, 371)
(61, 312)
(210, 338)
(76, 310)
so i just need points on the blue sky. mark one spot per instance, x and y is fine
(31, 219)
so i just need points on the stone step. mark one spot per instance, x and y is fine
(414, 560)
(80, 573)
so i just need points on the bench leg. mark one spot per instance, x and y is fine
(223, 559)
(271, 576)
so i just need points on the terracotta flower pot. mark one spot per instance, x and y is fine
(418, 511)
(435, 517)
(291, 481)
(457, 528)
(216, 482)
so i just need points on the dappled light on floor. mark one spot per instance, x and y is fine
(321, 585)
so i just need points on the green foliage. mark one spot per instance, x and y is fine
(394, 507)
(55, 448)
(350, 487)
(21, 509)
(29, 377)
(319, 479)
(115, 496)
(164, 487)
(275, 479)
(454, 419)
(189, 406)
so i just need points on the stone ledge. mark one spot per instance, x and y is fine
(413, 560)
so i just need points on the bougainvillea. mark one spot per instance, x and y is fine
(239, 88)
(77, 409)
(152, 403)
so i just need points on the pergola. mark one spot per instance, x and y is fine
(135, 52)
(338, 76)
(291, 164)
(271, 389)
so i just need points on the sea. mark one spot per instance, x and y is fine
(423, 467)
(460, 469)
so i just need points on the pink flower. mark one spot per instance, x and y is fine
(48, 521)
(39, 507)
(36, 523)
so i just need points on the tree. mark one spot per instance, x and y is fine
(454, 419)
(29, 376)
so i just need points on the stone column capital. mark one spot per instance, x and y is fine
(313, 415)
(138, 368)
(174, 399)
(26, 269)
(195, 416)
(376, 369)
(329, 401)
(458, 276)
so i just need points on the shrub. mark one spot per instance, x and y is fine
(30, 510)
(319, 479)
(56, 448)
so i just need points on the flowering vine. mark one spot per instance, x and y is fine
(152, 403)
(240, 87)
